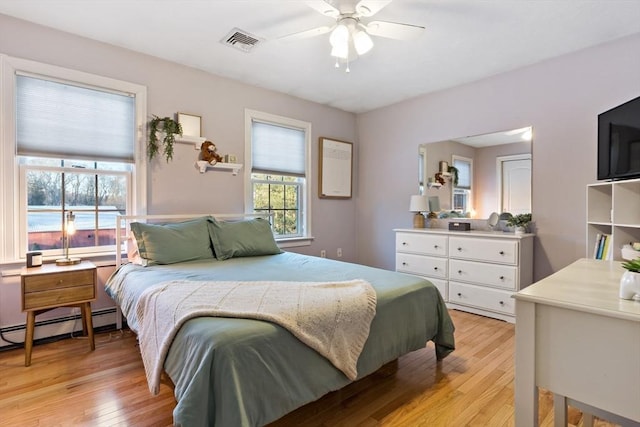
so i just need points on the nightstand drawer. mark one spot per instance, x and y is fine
(56, 281)
(60, 296)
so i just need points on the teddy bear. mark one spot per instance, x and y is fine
(208, 153)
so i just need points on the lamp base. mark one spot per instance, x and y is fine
(68, 261)
(418, 220)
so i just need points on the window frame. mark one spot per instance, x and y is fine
(24, 208)
(305, 237)
(12, 212)
(469, 190)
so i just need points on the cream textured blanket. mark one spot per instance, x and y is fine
(333, 318)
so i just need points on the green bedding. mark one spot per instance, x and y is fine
(241, 372)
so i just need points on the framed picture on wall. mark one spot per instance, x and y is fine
(335, 166)
(191, 124)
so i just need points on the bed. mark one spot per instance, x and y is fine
(232, 371)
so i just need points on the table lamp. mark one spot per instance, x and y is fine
(418, 204)
(69, 229)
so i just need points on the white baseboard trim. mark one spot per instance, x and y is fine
(59, 326)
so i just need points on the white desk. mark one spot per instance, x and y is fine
(577, 339)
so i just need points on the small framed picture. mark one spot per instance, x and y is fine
(191, 124)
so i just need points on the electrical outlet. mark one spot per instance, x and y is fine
(323, 254)
(339, 252)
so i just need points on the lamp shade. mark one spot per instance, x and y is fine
(418, 204)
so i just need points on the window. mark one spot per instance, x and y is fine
(461, 201)
(277, 174)
(72, 142)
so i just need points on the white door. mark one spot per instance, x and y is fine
(516, 185)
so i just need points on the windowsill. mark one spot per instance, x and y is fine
(13, 268)
(292, 242)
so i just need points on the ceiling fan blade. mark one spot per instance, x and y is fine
(368, 8)
(324, 8)
(393, 30)
(307, 33)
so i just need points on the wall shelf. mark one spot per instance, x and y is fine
(233, 167)
(188, 139)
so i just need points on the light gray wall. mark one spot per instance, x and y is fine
(560, 98)
(177, 187)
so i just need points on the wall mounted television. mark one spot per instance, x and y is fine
(619, 142)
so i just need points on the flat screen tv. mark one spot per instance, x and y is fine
(619, 142)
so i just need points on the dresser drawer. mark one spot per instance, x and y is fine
(422, 265)
(442, 286)
(58, 297)
(55, 281)
(484, 298)
(499, 276)
(422, 243)
(491, 250)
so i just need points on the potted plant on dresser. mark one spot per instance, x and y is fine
(520, 222)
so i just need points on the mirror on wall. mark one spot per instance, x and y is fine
(477, 175)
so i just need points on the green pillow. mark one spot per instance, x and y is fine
(174, 242)
(243, 238)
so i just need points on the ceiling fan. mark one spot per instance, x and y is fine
(350, 35)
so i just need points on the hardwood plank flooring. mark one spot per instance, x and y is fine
(69, 385)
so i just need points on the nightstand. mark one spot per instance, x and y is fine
(51, 286)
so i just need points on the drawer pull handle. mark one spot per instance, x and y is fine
(459, 271)
(60, 282)
(501, 252)
(459, 249)
(459, 294)
(435, 268)
(404, 263)
(404, 243)
(501, 277)
(501, 302)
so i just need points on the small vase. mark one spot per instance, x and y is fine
(629, 284)
(520, 230)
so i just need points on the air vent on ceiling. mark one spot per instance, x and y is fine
(241, 40)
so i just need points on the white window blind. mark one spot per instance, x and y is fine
(464, 173)
(61, 120)
(277, 149)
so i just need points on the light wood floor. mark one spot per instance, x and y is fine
(69, 385)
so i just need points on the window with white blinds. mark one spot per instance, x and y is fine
(277, 149)
(71, 143)
(55, 119)
(277, 180)
(464, 173)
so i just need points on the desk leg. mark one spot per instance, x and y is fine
(526, 391)
(559, 410)
(28, 339)
(87, 323)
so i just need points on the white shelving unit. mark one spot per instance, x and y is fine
(613, 208)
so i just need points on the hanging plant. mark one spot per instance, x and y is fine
(170, 128)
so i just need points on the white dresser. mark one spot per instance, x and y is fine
(475, 271)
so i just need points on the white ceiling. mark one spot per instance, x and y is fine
(464, 40)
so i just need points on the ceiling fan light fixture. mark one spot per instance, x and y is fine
(339, 36)
(340, 51)
(362, 42)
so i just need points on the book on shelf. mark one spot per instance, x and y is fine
(602, 247)
(596, 246)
